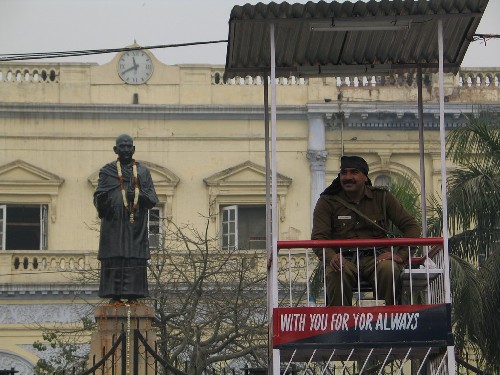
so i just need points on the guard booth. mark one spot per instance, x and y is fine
(413, 336)
(367, 40)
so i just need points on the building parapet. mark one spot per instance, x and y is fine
(479, 77)
(90, 84)
(36, 73)
(465, 78)
(17, 267)
(29, 73)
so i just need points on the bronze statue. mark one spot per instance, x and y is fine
(124, 194)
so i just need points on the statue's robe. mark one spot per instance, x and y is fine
(123, 246)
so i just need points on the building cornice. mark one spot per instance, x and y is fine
(145, 112)
(51, 291)
(399, 107)
(395, 115)
(229, 112)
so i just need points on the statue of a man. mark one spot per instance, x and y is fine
(124, 194)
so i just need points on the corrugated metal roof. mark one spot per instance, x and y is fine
(301, 51)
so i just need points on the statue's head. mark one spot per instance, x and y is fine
(124, 148)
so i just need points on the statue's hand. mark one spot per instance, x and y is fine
(102, 199)
(144, 202)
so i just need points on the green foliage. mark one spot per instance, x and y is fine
(489, 324)
(465, 290)
(62, 350)
(403, 188)
(473, 189)
(316, 280)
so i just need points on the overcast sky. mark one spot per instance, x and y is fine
(29, 26)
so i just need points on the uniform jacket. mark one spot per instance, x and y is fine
(333, 220)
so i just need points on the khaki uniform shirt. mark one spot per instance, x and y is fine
(332, 220)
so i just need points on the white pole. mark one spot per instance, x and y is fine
(451, 352)
(423, 202)
(274, 193)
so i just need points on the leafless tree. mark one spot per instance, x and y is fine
(210, 303)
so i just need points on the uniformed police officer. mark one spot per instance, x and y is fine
(334, 219)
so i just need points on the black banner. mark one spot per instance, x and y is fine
(330, 327)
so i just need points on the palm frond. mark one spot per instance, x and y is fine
(466, 299)
(489, 277)
(316, 280)
(473, 207)
(477, 142)
(473, 189)
(403, 188)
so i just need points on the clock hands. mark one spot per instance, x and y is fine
(133, 67)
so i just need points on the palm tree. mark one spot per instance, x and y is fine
(473, 213)
(403, 188)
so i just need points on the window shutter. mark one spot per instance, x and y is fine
(229, 227)
(154, 228)
(3, 220)
(44, 223)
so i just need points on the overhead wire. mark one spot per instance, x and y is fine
(57, 54)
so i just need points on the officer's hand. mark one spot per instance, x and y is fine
(335, 262)
(388, 256)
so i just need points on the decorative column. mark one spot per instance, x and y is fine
(316, 154)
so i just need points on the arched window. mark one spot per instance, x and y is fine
(382, 180)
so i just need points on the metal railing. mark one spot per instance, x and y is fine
(421, 277)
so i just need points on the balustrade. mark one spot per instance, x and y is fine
(217, 79)
(29, 74)
(466, 78)
(479, 79)
(22, 262)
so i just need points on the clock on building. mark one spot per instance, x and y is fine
(135, 67)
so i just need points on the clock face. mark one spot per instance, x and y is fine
(135, 67)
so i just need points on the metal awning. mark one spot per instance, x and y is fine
(350, 38)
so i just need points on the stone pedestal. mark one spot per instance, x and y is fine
(112, 321)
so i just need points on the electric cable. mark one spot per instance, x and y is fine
(51, 55)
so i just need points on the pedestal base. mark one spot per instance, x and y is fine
(112, 322)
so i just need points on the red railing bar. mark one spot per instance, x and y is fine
(353, 243)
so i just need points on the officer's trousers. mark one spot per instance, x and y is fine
(367, 266)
